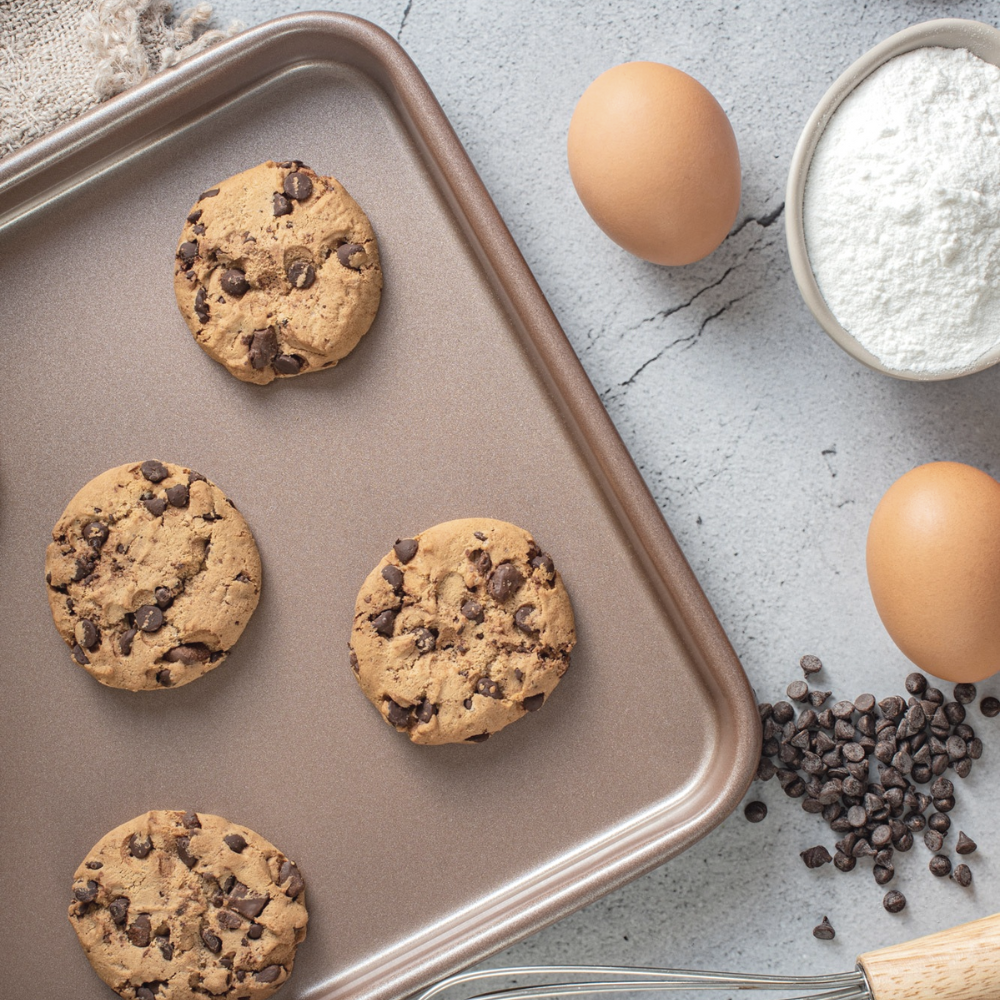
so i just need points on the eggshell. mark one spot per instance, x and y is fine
(654, 161)
(934, 569)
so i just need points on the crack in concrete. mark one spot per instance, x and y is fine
(402, 23)
(689, 339)
(764, 221)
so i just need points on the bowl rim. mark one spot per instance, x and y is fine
(983, 40)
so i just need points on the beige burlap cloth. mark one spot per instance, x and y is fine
(60, 57)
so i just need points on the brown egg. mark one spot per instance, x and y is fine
(654, 161)
(934, 569)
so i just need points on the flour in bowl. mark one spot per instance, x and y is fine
(902, 211)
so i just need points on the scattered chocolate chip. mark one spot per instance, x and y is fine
(962, 875)
(864, 702)
(155, 505)
(940, 865)
(118, 908)
(235, 842)
(810, 665)
(504, 581)
(824, 931)
(798, 691)
(280, 205)
(301, 274)
(405, 549)
(965, 845)
(346, 251)
(522, 619)
(297, 185)
(894, 901)
(234, 282)
(815, 857)
(178, 495)
(263, 348)
(288, 364)
(533, 702)
(755, 811)
(965, 694)
(393, 576)
(990, 706)
(933, 840)
(383, 623)
(139, 848)
(473, 610)
(149, 618)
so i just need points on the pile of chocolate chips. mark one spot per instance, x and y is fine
(824, 752)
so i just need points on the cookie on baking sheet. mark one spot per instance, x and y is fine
(180, 905)
(152, 576)
(277, 272)
(461, 630)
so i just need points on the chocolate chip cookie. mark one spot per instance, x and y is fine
(152, 576)
(277, 272)
(181, 905)
(461, 630)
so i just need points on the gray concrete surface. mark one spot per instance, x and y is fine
(766, 446)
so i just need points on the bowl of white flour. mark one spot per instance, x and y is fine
(893, 204)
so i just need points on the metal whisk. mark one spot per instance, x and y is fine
(958, 964)
(844, 986)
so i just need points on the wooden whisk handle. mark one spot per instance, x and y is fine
(962, 963)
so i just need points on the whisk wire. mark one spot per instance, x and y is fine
(840, 986)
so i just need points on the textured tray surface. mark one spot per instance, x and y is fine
(416, 859)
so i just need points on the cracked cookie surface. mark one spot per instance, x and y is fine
(277, 272)
(180, 905)
(461, 630)
(152, 576)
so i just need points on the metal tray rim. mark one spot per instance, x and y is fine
(43, 169)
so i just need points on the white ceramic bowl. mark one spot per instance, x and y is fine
(981, 40)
